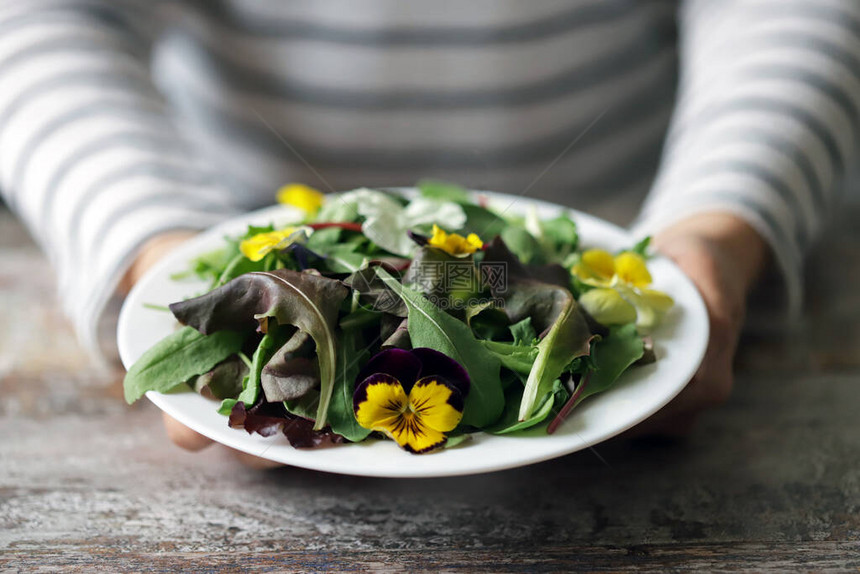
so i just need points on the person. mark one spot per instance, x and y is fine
(127, 125)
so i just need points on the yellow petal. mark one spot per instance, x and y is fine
(302, 196)
(453, 243)
(474, 241)
(380, 403)
(436, 405)
(631, 269)
(595, 265)
(650, 305)
(657, 299)
(258, 246)
(607, 306)
(411, 434)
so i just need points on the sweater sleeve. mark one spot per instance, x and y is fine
(766, 121)
(89, 157)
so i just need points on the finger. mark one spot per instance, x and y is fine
(183, 436)
(254, 462)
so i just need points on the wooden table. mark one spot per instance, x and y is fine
(770, 481)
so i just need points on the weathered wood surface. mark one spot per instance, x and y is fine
(771, 481)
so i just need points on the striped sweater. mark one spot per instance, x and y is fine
(121, 119)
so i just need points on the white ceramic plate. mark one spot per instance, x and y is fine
(680, 344)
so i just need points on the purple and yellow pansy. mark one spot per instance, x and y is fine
(413, 396)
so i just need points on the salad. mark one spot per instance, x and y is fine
(418, 319)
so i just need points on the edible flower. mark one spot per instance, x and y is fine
(414, 397)
(301, 196)
(454, 243)
(258, 246)
(621, 293)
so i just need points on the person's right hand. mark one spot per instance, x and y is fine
(182, 436)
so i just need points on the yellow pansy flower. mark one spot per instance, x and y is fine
(453, 243)
(258, 246)
(301, 196)
(416, 414)
(621, 293)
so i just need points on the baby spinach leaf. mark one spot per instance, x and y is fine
(308, 302)
(612, 356)
(432, 327)
(522, 244)
(456, 440)
(341, 414)
(177, 358)
(444, 191)
(342, 258)
(558, 238)
(326, 237)
(482, 221)
(251, 392)
(509, 421)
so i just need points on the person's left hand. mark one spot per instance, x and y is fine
(723, 256)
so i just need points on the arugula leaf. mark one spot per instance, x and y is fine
(523, 332)
(432, 327)
(177, 358)
(516, 357)
(641, 247)
(309, 302)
